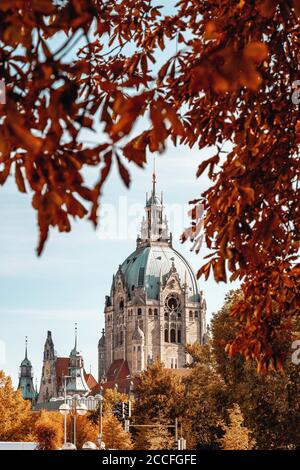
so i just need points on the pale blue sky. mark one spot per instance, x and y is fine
(69, 282)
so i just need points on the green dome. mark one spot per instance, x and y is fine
(145, 266)
(153, 200)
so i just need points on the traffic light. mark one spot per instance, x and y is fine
(122, 410)
(119, 410)
(127, 409)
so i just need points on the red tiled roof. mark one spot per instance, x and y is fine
(90, 380)
(62, 368)
(119, 374)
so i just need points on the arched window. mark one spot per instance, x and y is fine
(166, 335)
(173, 335)
(121, 305)
(196, 314)
(191, 315)
(139, 312)
(150, 311)
(179, 336)
(121, 337)
(155, 311)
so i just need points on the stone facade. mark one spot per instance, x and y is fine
(57, 370)
(155, 307)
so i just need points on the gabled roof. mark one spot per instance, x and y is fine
(119, 374)
(90, 380)
(62, 368)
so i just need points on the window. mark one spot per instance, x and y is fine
(139, 312)
(121, 305)
(141, 276)
(166, 335)
(196, 314)
(150, 311)
(121, 337)
(191, 315)
(173, 335)
(155, 311)
(179, 336)
(172, 363)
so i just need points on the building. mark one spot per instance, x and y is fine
(26, 379)
(58, 371)
(155, 307)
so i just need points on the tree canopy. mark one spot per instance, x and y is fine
(228, 86)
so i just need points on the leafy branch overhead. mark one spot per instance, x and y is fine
(69, 66)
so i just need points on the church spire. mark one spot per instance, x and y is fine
(26, 341)
(154, 227)
(75, 347)
(153, 181)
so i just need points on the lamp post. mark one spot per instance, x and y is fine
(77, 408)
(65, 408)
(99, 397)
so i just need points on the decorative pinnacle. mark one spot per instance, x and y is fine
(75, 336)
(153, 178)
(26, 341)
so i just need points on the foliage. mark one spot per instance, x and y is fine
(159, 392)
(269, 402)
(15, 412)
(85, 430)
(154, 438)
(110, 398)
(228, 86)
(237, 436)
(114, 436)
(205, 401)
(48, 429)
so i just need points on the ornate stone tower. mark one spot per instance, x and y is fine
(101, 357)
(76, 384)
(26, 379)
(155, 307)
(48, 388)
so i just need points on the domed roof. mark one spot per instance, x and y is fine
(145, 266)
(154, 200)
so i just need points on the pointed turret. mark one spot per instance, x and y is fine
(26, 378)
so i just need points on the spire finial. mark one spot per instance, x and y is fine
(153, 178)
(26, 341)
(75, 336)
